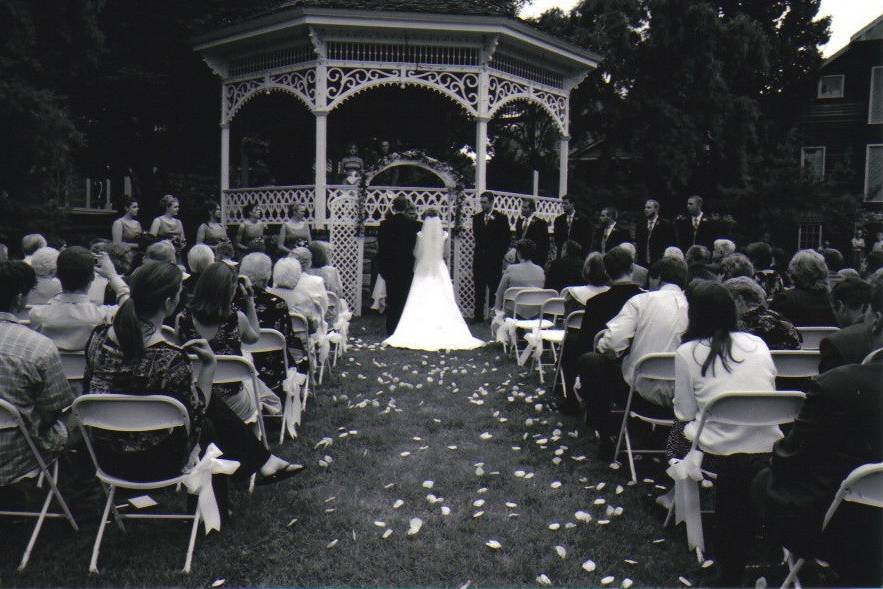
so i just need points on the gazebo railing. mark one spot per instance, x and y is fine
(273, 200)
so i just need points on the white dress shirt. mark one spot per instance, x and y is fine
(751, 369)
(648, 323)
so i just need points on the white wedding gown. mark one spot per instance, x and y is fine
(431, 319)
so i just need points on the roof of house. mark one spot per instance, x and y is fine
(873, 31)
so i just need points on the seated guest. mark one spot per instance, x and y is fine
(698, 254)
(131, 357)
(160, 251)
(851, 298)
(596, 281)
(715, 358)
(834, 261)
(211, 316)
(44, 262)
(287, 276)
(754, 317)
(568, 269)
(734, 266)
(722, 249)
(808, 303)
(599, 309)
(321, 266)
(198, 259)
(639, 273)
(838, 429)
(33, 381)
(761, 256)
(674, 252)
(522, 273)
(873, 262)
(272, 312)
(69, 318)
(851, 344)
(310, 284)
(31, 243)
(4, 253)
(648, 322)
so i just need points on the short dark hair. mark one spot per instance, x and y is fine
(488, 195)
(525, 248)
(16, 278)
(573, 248)
(320, 254)
(611, 212)
(531, 202)
(568, 198)
(873, 262)
(75, 268)
(760, 254)
(833, 259)
(594, 271)
(697, 254)
(400, 203)
(736, 265)
(209, 207)
(248, 208)
(213, 294)
(698, 198)
(853, 292)
(618, 262)
(670, 270)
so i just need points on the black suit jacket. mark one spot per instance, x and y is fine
(805, 308)
(580, 230)
(601, 308)
(538, 232)
(850, 345)
(663, 236)
(491, 242)
(566, 271)
(395, 242)
(705, 234)
(617, 236)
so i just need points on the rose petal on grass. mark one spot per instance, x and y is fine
(615, 466)
(589, 566)
(445, 510)
(630, 561)
(519, 473)
(291, 523)
(599, 501)
(707, 563)
(528, 476)
(556, 484)
(544, 580)
(477, 514)
(607, 580)
(685, 582)
(561, 551)
(218, 582)
(479, 471)
(511, 505)
(405, 454)
(486, 436)
(386, 534)
(380, 524)
(619, 489)
(332, 544)
(428, 484)
(414, 526)
(493, 544)
(554, 526)
(583, 516)
(626, 583)
(398, 503)
(478, 503)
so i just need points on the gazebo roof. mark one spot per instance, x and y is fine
(474, 7)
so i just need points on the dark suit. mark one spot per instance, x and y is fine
(805, 308)
(651, 247)
(850, 345)
(687, 235)
(617, 236)
(538, 232)
(491, 243)
(395, 257)
(838, 429)
(566, 271)
(579, 230)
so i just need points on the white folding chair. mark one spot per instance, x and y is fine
(131, 413)
(74, 365)
(864, 485)
(509, 300)
(333, 310)
(11, 419)
(527, 309)
(597, 339)
(552, 310)
(747, 408)
(300, 327)
(572, 324)
(656, 370)
(272, 341)
(236, 369)
(873, 356)
(812, 336)
(796, 363)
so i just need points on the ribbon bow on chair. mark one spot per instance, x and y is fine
(534, 346)
(291, 413)
(199, 482)
(687, 473)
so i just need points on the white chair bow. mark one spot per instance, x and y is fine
(534, 346)
(687, 473)
(291, 414)
(199, 482)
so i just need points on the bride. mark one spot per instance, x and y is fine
(431, 319)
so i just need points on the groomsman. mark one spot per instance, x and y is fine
(608, 235)
(530, 226)
(654, 235)
(571, 226)
(491, 231)
(695, 228)
(395, 257)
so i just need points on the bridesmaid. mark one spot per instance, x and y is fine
(250, 235)
(168, 225)
(127, 229)
(212, 233)
(296, 231)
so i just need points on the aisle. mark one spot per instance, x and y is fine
(504, 493)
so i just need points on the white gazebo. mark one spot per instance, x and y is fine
(326, 56)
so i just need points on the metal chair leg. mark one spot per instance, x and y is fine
(93, 563)
(193, 529)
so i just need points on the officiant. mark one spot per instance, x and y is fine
(491, 231)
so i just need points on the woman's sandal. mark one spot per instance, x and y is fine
(280, 475)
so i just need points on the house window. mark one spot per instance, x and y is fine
(875, 101)
(831, 86)
(874, 173)
(812, 161)
(809, 236)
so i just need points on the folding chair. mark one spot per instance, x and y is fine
(236, 369)
(553, 309)
(131, 413)
(11, 419)
(812, 336)
(873, 356)
(527, 309)
(796, 364)
(597, 339)
(272, 341)
(300, 327)
(333, 310)
(864, 485)
(509, 300)
(572, 323)
(74, 365)
(652, 368)
(747, 408)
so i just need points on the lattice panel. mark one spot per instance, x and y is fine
(348, 248)
(464, 286)
(502, 90)
(273, 200)
(301, 83)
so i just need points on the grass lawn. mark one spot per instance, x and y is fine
(393, 420)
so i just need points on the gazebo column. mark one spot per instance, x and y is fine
(225, 156)
(321, 180)
(480, 155)
(563, 160)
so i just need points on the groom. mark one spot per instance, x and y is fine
(395, 259)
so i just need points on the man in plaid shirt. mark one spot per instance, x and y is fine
(32, 379)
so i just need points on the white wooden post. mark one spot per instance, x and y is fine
(321, 113)
(563, 156)
(480, 155)
(536, 183)
(225, 157)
